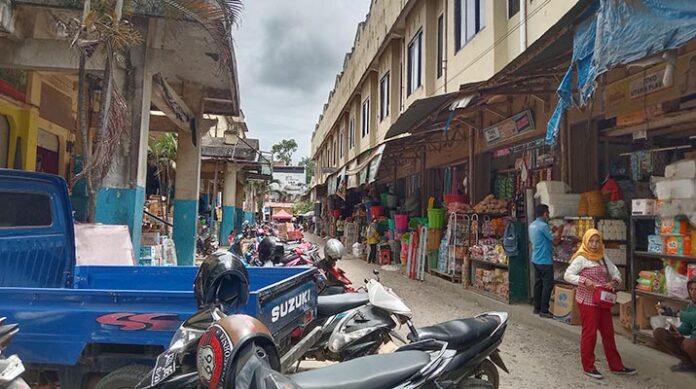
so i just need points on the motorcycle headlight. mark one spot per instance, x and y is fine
(183, 337)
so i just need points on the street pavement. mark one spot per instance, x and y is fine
(540, 353)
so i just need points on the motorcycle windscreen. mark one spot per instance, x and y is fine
(386, 299)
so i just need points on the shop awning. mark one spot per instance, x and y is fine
(282, 215)
(419, 111)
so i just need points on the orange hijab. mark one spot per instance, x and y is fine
(584, 248)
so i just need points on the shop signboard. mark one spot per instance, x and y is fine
(509, 128)
(649, 88)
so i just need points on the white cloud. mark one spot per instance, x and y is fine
(289, 53)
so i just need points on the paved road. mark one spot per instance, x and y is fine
(535, 357)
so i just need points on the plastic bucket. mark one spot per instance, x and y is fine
(401, 222)
(436, 217)
(392, 224)
(376, 211)
(454, 198)
(391, 200)
(384, 199)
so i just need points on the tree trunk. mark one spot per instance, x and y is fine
(83, 127)
(104, 107)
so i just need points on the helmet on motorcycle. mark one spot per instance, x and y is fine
(232, 340)
(271, 249)
(334, 249)
(222, 278)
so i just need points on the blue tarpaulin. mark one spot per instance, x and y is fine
(616, 33)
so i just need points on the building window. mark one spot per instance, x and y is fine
(351, 133)
(415, 52)
(365, 117)
(440, 44)
(513, 7)
(341, 143)
(384, 97)
(335, 154)
(469, 19)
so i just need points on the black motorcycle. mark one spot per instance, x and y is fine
(232, 355)
(11, 368)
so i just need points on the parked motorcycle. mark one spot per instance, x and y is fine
(11, 368)
(238, 352)
(206, 242)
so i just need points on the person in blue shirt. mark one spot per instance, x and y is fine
(542, 240)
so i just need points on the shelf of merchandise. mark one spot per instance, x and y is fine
(494, 264)
(455, 278)
(646, 254)
(635, 255)
(662, 296)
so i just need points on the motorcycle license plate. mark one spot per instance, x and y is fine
(165, 367)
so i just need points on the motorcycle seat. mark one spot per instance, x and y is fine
(459, 334)
(371, 372)
(337, 303)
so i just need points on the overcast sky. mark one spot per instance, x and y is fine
(289, 53)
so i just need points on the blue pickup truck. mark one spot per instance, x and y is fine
(78, 323)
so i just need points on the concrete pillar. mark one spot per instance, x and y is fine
(121, 198)
(229, 203)
(188, 172)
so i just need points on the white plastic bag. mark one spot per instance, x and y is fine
(676, 283)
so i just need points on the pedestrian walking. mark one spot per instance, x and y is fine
(542, 239)
(372, 240)
(681, 341)
(593, 273)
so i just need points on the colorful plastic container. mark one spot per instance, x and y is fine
(436, 218)
(401, 222)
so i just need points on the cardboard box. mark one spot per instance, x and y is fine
(150, 239)
(643, 207)
(645, 307)
(565, 308)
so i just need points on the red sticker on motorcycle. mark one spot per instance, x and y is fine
(142, 321)
(214, 352)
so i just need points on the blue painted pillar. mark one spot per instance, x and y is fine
(188, 172)
(226, 224)
(121, 198)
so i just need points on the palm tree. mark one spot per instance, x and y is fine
(104, 27)
(161, 153)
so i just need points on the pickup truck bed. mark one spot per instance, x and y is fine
(112, 306)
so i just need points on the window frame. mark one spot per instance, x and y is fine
(513, 5)
(384, 98)
(365, 128)
(49, 201)
(440, 45)
(351, 132)
(341, 143)
(461, 16)
(415, 43)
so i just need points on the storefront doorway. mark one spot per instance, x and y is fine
(4, 141)
(47, 153)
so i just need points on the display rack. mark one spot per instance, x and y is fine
(516, 270)
(635, 256)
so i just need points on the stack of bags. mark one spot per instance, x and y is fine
(676, 192)
(555, 195)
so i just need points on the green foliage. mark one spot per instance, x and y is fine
(284, 149)
(302, 207)
(309, 165)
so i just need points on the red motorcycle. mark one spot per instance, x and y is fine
(334, 278)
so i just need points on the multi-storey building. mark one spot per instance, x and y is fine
(411, 50)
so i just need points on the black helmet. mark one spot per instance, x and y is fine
(271, 249)
(222, 278)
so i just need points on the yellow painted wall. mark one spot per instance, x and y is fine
(25, 123)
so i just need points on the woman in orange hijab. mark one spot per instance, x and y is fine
(589, 269)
